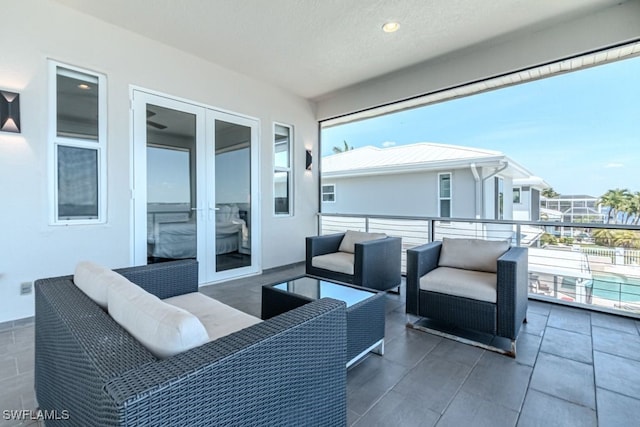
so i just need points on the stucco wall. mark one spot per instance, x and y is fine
(30, 248)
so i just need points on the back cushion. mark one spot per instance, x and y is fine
(94, 280)
(350, 239)
(472, 254)
(165, 330)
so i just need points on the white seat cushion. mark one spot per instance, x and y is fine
(348, 243)
(94, 281)
(218, 319)
(164, 329)
(478, 285)
(341, 262)
(472, 254)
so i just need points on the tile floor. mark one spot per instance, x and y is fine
(574, 368)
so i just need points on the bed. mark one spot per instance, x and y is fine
(172, 235)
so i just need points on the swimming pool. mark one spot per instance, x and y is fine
(616, 288)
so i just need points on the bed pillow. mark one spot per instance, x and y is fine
(348, 243)
(472, 254)
(94, 280)
(164, 329)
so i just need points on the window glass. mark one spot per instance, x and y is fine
(76, 105)
(77, 183)
(282, 172)
(516, 195)
(445, 185)
(328, 193)
(281, 192)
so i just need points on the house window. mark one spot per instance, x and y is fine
(78, 141)
(499, 192)
(282, 182)
(444, 194)
(329, 193)
(516, 195)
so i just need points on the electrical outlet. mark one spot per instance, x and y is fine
(26, 288)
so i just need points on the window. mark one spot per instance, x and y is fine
(282, 182)
(444, 194)
(499, 192)
(78, 136)
(329, 193)
(516, 195)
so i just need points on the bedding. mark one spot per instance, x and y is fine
(177, 239)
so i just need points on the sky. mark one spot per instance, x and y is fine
(578, 131)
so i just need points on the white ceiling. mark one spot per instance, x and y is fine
(315, 47)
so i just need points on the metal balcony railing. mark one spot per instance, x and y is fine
(595, 266)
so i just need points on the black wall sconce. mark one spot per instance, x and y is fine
(309, 160)
(9, 111)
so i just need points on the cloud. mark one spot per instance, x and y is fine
(388, 144)
(614, 165)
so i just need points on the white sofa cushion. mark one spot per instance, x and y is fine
(164, 329)
(472, 254)
(218, 319)
(94, 281)
(341, 262)
(478, 285)
(348, 243)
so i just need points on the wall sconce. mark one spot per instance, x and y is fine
(9, 111)
(309, 160)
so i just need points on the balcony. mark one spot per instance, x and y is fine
(574, 368)
(566, 265)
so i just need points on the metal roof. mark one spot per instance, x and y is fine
(414, 157)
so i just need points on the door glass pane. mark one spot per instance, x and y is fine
(171, 185)
(77, 105)
(77, 183)
(233, 191)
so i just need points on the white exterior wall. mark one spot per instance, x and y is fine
(412, 194)
(30, 248)
(522, 210)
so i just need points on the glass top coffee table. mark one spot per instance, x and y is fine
(365, 309)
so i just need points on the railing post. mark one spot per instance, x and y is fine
(518, 235)
(366, 224)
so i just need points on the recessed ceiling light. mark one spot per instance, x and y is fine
(390, 27)
(84, 86)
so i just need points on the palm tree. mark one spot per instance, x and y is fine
(616, 200)
(604, 237)
(346, 147)
(633, 208)
(549, 193)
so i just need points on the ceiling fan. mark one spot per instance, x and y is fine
(152, 123)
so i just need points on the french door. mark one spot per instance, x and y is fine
(195, 182)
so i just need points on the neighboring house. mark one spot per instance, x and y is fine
(423, 179)
(526, 198)
(575, 208)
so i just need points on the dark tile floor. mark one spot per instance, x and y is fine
(574, 368)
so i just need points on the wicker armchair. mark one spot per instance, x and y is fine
(289, 370)
(500, 318)
(374, 264)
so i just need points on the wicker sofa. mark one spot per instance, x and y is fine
(471, 284)
(288, 370)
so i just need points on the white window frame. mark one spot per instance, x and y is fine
(322, 193)
(55, 141)
(288, 170)
(450, 198)
(519, 191)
